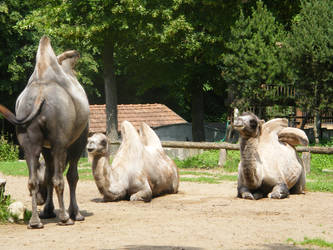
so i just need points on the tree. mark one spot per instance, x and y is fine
(309, 48)
(185, 33)
(252, 61)
(196, 36)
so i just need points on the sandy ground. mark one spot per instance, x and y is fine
(200, 216)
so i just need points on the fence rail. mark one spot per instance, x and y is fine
(229, 146)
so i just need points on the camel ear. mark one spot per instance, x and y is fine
(261, 122)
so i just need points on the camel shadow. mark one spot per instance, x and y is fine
(280, 246)
(85, 213)
(147, 247)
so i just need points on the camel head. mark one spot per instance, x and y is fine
(248, 125)
(98, 145)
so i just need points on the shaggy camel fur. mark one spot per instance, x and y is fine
(140, 170)
(269, 162)
(52, 114)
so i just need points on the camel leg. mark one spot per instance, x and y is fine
(32, 161)
(59, 157)
(299, 187)
(30, 141)
(280, 191)
(74, 154)
(72, 178)
(48, 211)
(143, 195)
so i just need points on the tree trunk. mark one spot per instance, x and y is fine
(110, 86)
(316, 126)
(197, 112)
(316, 114)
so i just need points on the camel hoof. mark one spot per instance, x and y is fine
(35, 226)
(136, 198)
(247, 196)
(77, 217)
(69, 222)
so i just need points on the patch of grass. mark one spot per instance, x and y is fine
(313, 242)
(209, 160)
(317, 179)
(14, 168)
(205, 177)
(200, 179)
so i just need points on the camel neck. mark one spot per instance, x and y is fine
(248, 151)
(99, 169)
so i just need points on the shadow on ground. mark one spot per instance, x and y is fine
(146, 247)
(279, 246)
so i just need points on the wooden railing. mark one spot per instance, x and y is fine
(230, 146)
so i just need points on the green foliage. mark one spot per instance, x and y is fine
(309, 49)
(8, 151)
(312, 242)
(252, 60)
(5, 216)
(5, 201)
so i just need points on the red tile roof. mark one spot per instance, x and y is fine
(155, 115)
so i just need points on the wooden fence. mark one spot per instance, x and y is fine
(224, 146)
(230, 146)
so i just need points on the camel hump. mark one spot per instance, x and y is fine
(149, 137)
(293, 136)
(274, 126)
(45, 59)
(130, 137)
(68, 60)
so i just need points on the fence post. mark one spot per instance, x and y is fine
(222, 158)
(306, 157)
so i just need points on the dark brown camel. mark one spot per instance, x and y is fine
(52, 115)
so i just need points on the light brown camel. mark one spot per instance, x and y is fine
(269, 162)
(140, 169)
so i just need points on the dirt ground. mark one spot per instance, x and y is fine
(200, 216)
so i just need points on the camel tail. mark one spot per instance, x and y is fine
(19, 122)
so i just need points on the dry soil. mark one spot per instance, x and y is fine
(200, 216)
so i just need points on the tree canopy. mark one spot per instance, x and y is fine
(192, 55)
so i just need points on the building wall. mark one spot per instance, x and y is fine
(183, 132)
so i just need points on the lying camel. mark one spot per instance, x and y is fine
(140, 170)
(52, 114)
(269, 162)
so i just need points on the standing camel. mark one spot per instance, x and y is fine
(52, 114)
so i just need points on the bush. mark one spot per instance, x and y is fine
(8, 151)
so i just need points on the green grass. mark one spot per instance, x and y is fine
(317, 179)
(312, 242)
(206, 177)
(14, 168)
(209, 160)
